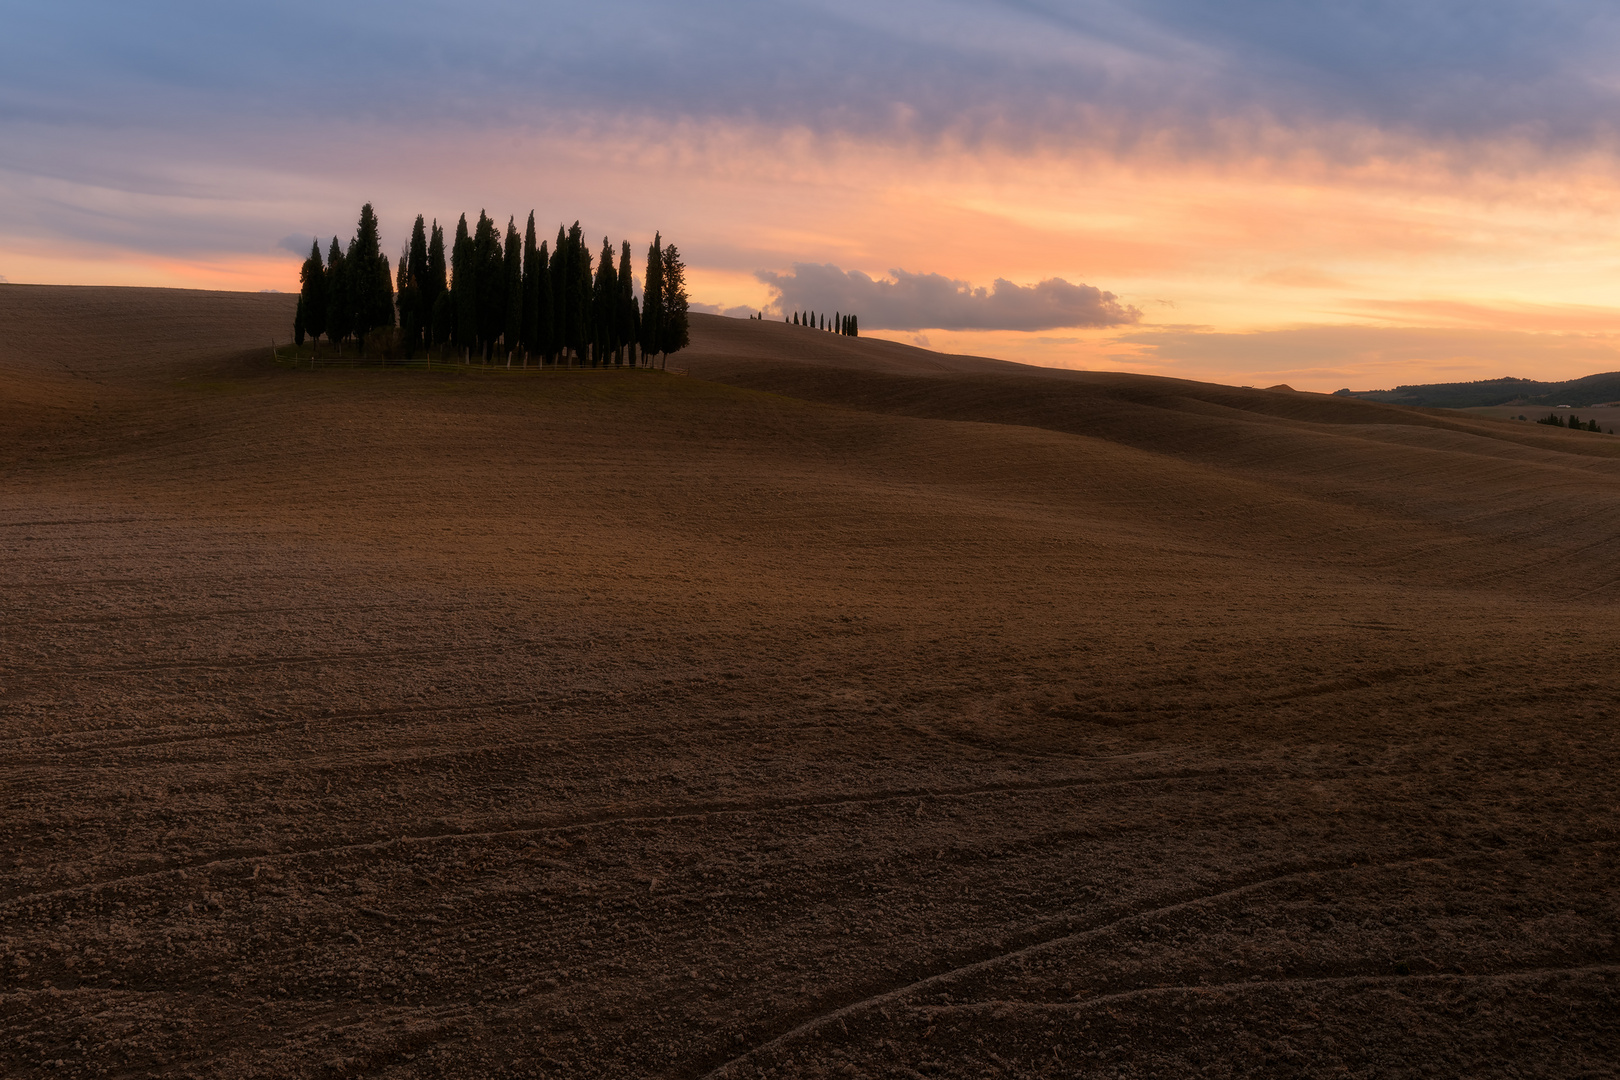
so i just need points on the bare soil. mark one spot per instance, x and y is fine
(839, 709)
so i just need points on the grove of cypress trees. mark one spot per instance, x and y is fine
(464, 284)
(312, 292)
(339, 310)
(652, 299)
(604, 302)
(628, 330)
(514, 290)
(677, 332)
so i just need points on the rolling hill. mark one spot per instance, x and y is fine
(836, 709)
(1586, 391)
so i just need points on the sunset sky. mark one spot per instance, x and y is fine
(1359, 194)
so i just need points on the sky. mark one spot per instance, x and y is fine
(1360, 194)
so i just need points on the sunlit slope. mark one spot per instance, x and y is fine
(1554, 495)
(173, 390)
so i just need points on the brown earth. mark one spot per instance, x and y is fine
(840, 709)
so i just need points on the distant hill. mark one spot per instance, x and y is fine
(1590, 390)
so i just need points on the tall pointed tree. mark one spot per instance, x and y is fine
(558, 341)
(529, 334)
(545, 322)
(417, 276)
(490, 272)
(371, 282)
(339, 309)
(604, 304)
(436, 290)
(464, 284)
(652, 299)
(677, 331)
(409, 298)
(312, 292)
(514, 290)
(629, 331)
(577, 295)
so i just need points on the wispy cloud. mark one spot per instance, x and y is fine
(907, 301)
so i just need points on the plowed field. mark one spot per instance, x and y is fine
(836, 709)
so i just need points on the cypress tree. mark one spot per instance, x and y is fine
(298, 324)
(410, 300)
(514, 290)
(371, 284)
(629, 332)
(677, 332)
(557, 340)
(576, 291)
(544, 321)
(436, 291)
(652, 299)
(604, 302)
(464, 282)
(339, 313)
(530, 334)
(417, 277)
(312, 292)
(854, 326)
(490, 274)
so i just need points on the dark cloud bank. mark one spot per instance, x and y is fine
(906, 301)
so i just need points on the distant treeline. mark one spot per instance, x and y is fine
(839, 324)
(1581, 393)
(1575, 424)
(494, 297)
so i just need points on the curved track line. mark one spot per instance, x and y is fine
(816, 1023)
(1227, 988)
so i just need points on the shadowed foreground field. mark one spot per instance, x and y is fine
(837, 710)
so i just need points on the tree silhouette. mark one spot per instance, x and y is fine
(677, 332)
(545, 318)
(440, 320)
(464, 285)
(371, 284)
(312, 292)
(489, 271)
(339, 311)
(652, 299)
(627, 314)
(604, 305)
(415, 315)
(532, 275)
(513, 327)
(578, 295)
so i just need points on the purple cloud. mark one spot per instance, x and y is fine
(907, 301)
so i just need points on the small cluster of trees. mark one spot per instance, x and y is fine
(495, 296)
(1574, 423)
(847, 325)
